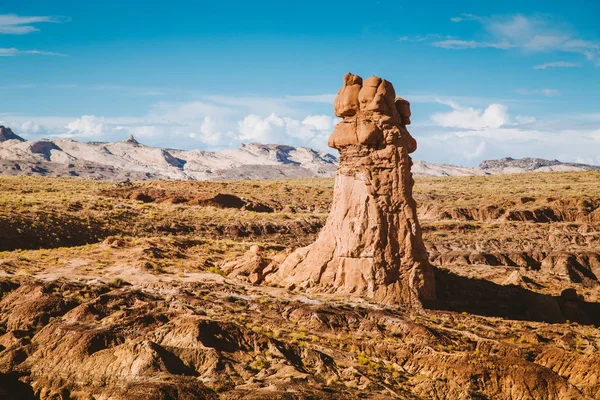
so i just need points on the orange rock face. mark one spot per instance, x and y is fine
(371, 244)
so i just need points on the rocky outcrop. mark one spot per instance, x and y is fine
(134, 160)
(75, 341)
(146, 314)
(527, 164)
(131, 140)
(249, 267)
(371, 244)
(204, 199)
(7, 134)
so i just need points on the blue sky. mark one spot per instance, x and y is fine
(485, 79)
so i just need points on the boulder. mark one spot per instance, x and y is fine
(249, 267)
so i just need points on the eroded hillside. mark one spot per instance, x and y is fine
(117, 291)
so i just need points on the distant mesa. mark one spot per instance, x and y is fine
(7, 134)
(527, 164)
(131, 159)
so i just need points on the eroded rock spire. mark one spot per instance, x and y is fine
(371, 244)
(131, 139)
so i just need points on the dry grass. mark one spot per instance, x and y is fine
(84, 244)
(475, 191)
(63, 219)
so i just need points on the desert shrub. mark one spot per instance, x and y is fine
(363, 359)
(118, 282)
(216, 270)
(260, 364)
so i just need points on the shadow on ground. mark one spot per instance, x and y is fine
(13, 389)
(481, 297)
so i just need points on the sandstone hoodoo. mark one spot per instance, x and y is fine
(371, 244)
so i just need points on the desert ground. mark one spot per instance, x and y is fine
(124, 291)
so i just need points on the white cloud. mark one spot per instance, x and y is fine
(462, 135)
(468, 135)
(545, 92)
(255, 128)
(425, 38)
(12, 52)
(43, 53)
(470, 44)
(11, 24)
(151, 93)
(209, 126)
(311, 131)
(545, 42)
(468, 147)
(91, 127)
(321, 122)
(212, 122)
(556, 64)
(494, 116)
(465, 17)
(320, 98)
(591, 117)
(477, 152)
(550, 92)
(503, 134)
(531, 34)
(8, 52)
(524, 119)
(212, 134)
(185, 111)
(87, 125)
(28, 128)
(253, 104)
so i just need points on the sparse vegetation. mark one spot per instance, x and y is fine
(158, 254)
(117, 283)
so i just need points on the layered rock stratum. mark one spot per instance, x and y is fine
(371, 244)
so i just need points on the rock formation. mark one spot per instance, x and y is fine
(249, 267)
(7, 134)
(131, 139)
(371, 244)
(131, 159)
